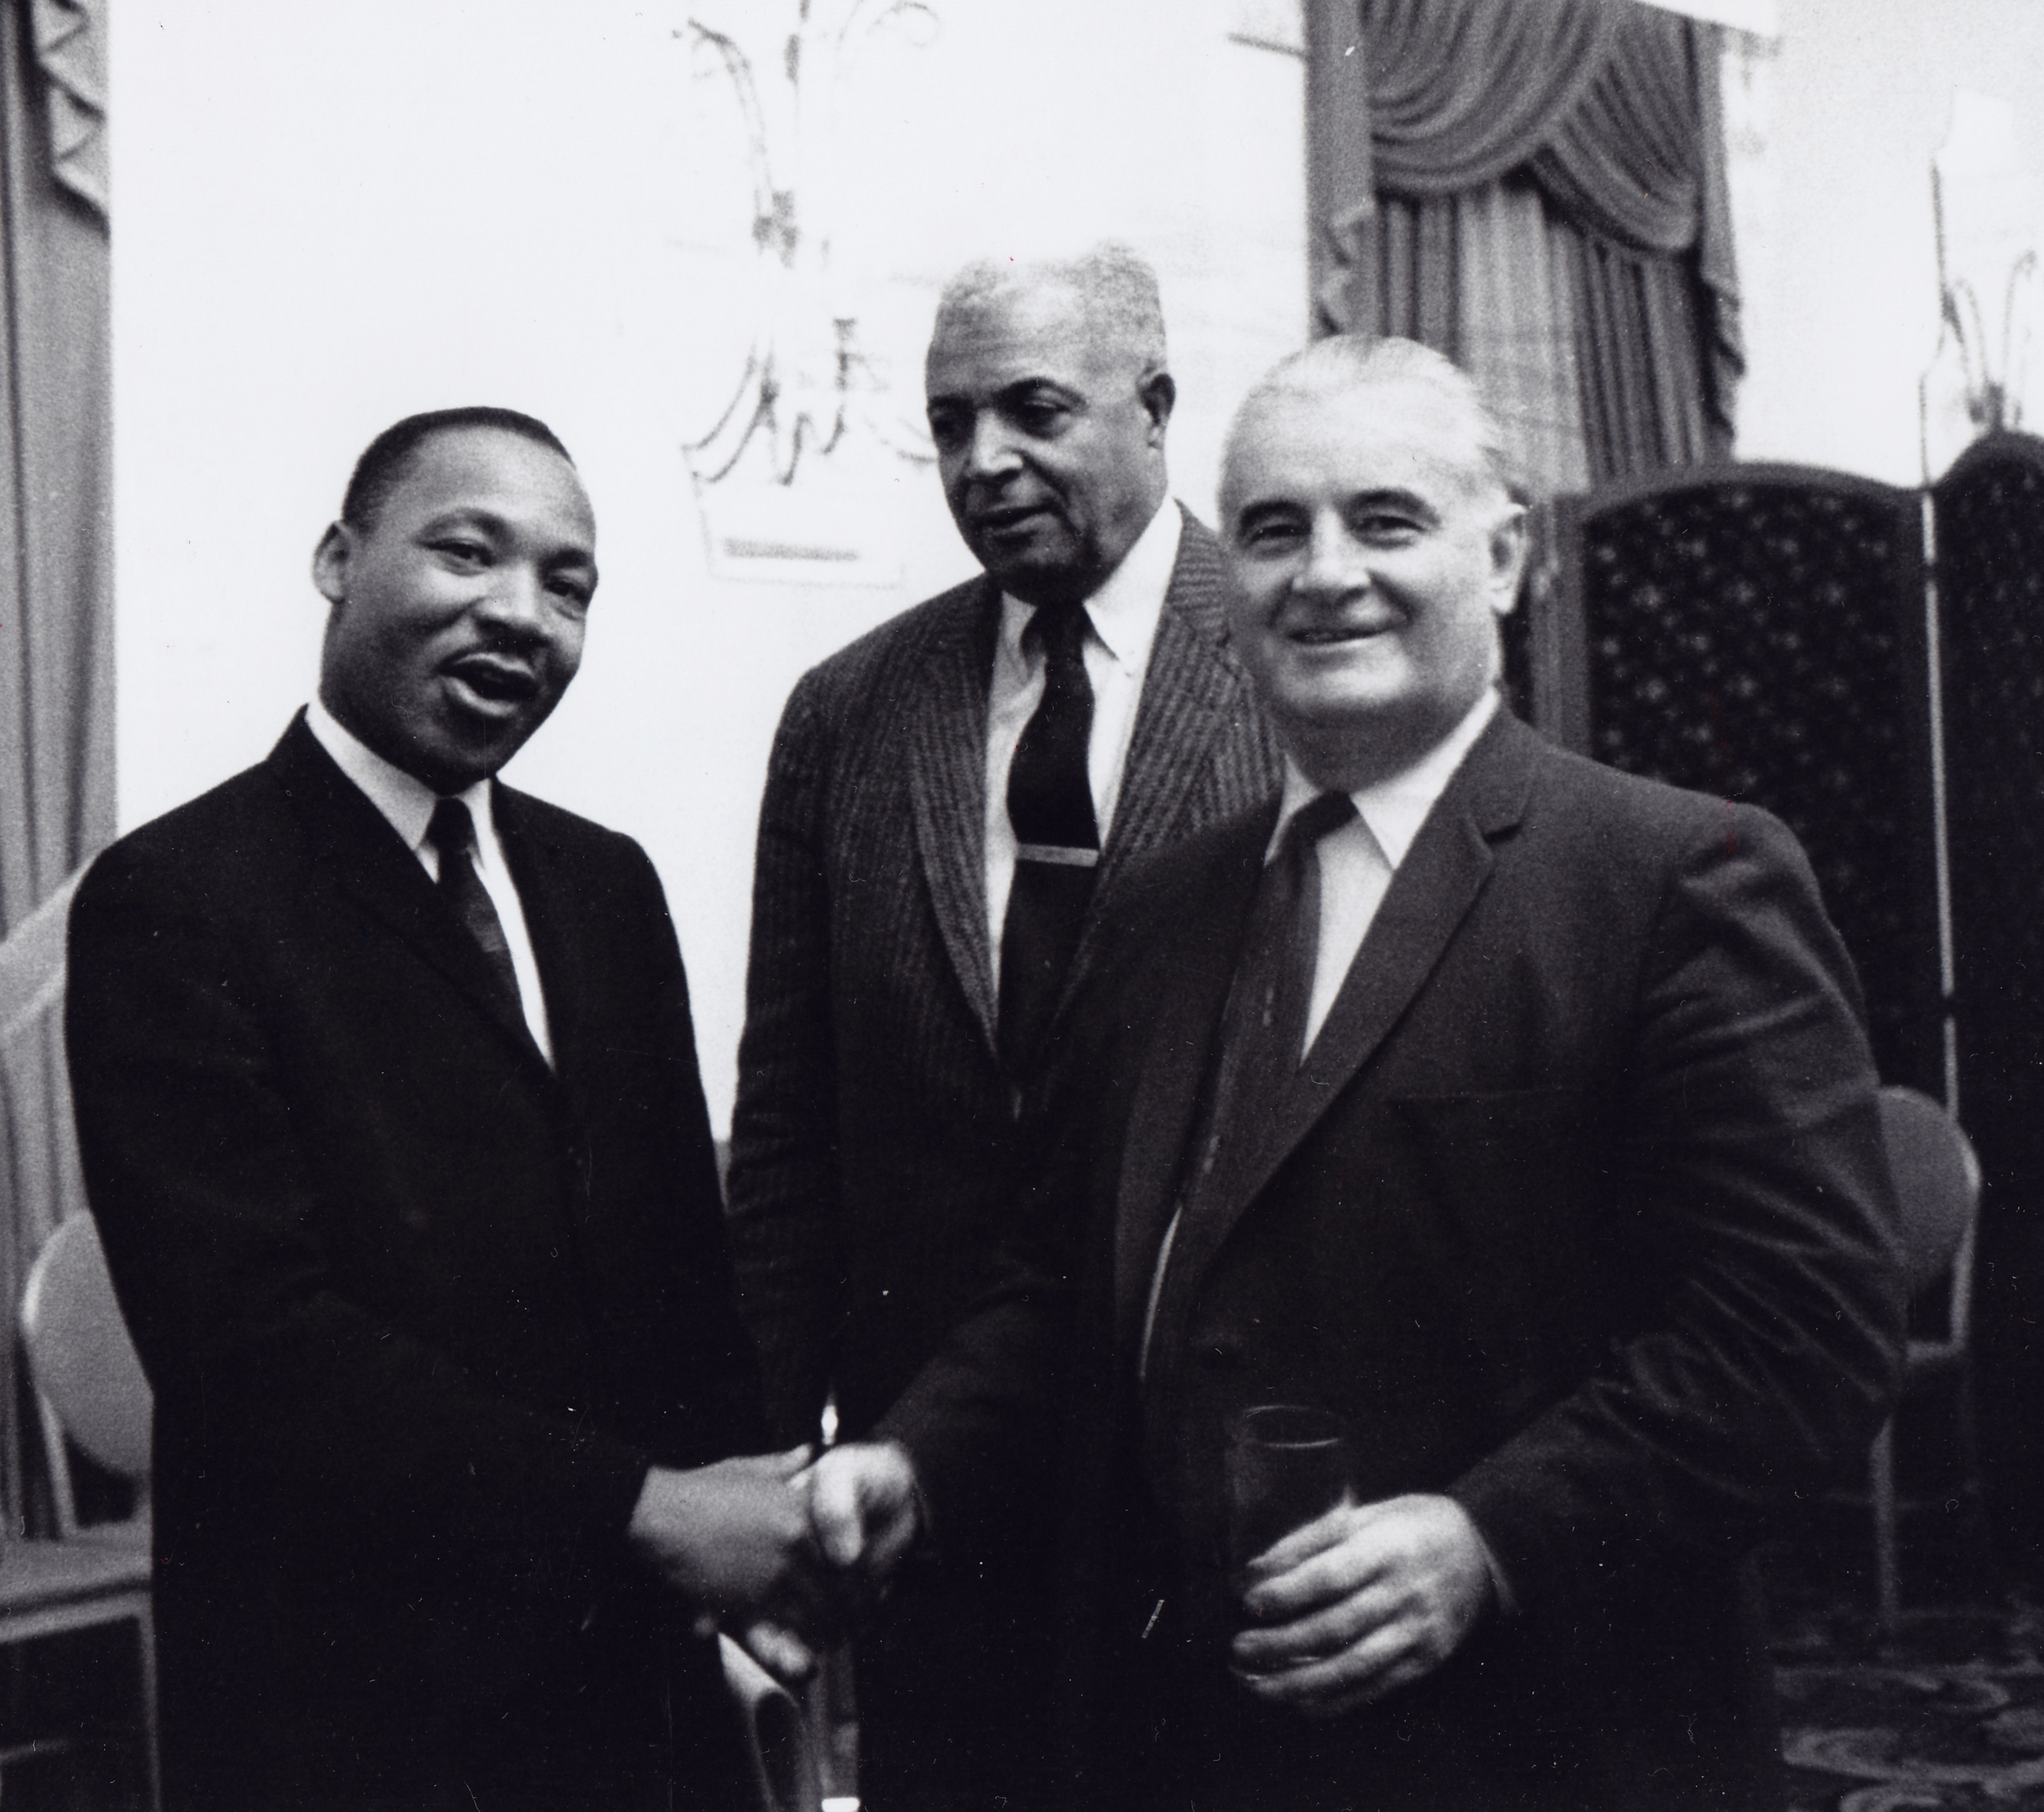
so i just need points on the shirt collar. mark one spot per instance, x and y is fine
(405, 801)
(1123, 611)
(1395, 808)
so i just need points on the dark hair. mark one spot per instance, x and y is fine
(385, 460)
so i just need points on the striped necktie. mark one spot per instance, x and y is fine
(452, 832)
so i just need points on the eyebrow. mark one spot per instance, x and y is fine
(1390, 497)
(1026, 390)
(468, 515)
(490, 523)
(1019, 389)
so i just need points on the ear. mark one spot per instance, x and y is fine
(1159, 392)
(330, 560)
(1507, 558)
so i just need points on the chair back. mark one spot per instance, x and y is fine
(778, 1741)
(40, 1180)
(84, 1366)
(1938, 1185)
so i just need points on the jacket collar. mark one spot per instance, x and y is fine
(367, 858)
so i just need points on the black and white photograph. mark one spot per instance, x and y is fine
(1022, 905)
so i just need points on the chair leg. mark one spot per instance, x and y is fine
(1969, 1441)
(1881, 1490)
(145, 1634)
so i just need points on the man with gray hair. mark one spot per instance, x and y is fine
(951, 809)
(1466, 1222)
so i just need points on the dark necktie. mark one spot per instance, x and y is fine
(452, 832)
(1263, 1026)
(1049, 804)
(1263, 1034)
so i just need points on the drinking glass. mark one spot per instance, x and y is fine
(1287, 1464)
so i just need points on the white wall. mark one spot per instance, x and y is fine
(1833, 214)
(333, 212)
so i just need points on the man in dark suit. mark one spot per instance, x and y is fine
(387, 1094)
(952, 806)
(1512, 1112)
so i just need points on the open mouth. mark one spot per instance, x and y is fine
(491, 683)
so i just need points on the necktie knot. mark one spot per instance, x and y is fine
(1325, 813)
(1060, 631)
(451, 830)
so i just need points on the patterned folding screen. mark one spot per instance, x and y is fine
(1990, 530)
(1759, 634)
(1990, 542)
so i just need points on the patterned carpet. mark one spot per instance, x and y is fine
(1949, 1714)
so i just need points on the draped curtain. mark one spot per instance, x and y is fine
(1536, 188)
(56, 657)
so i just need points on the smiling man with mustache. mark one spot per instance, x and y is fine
(388, 1100)
(951, 807)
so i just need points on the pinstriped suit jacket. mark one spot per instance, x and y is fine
(875, 1139)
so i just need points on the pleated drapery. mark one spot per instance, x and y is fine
(1461, 91)
(57, 563)
(1489, 277)
(56, 603)
(1537, 189)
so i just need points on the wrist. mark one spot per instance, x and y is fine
(659, 1515)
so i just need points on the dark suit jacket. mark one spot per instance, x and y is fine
(874, 1144)
(419, 1311)
(1577, 1212)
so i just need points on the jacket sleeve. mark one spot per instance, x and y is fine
(374, 1442)
(983, 1420)
(786, 1219)
(718, 1373)
(1750, 1177)
(986, 1419)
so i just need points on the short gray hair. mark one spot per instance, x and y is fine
(1115, 285)
(1343, 363)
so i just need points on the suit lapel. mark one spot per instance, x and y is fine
(1431, 893)
(946, 717)
(369, 862)
(547, 897)
(1193, 689)
(1167, 1097)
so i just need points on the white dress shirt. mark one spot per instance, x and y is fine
(1121, 622)
(1359, 860)
(408, 802)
